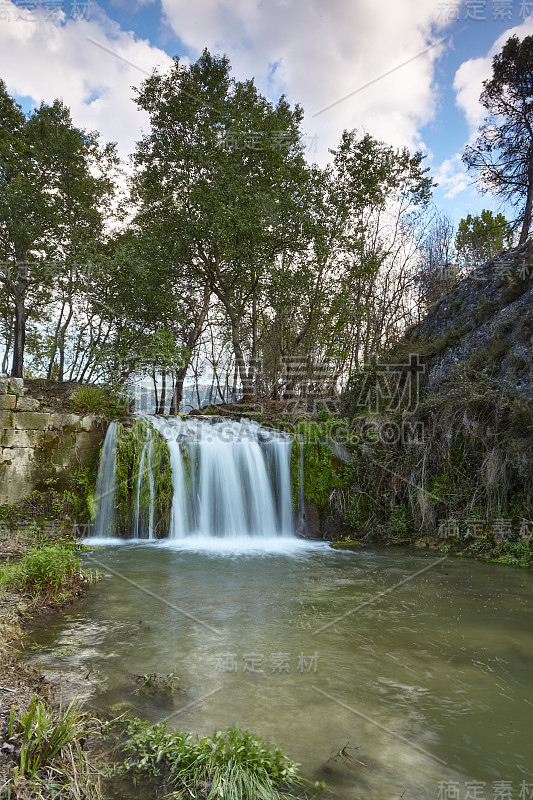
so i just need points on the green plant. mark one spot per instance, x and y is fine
(102, 400)
(229, 765)
(50, 572)
(50, 755)
(401, 522)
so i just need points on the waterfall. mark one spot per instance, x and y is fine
(105, 485)
(230, 479)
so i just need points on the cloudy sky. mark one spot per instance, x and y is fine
(406, 71)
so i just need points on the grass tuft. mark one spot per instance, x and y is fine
(50, 572)
(228, 765)
(48, 753)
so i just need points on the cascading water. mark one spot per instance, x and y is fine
(229, 480)
(105, 485)
(145, 473)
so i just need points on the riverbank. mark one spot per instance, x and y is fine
(43, 746)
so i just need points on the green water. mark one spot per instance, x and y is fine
(427, 684)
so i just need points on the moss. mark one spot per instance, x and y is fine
(322, 470)
(130, 444)
(485, 310)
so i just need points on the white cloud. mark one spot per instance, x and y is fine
(452, 176)
(324, 51)
(43, 61)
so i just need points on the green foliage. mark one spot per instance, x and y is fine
(91, 399)
(50, 504)
(229, 765)
(323, 471)
(154, 682)
(401, 522)
(50, 757)
(49, 572)
(131, 440)
(481, 237)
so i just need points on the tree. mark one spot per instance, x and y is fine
(502, 155)
(222, 172)
(482, 237)
(438, 271)
(56, 182)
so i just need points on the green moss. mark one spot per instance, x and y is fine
(322, 470)
(130, 444)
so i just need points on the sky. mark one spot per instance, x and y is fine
(409, 72)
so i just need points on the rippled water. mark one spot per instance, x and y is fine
(420, 668)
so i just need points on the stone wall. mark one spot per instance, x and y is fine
(36, 445)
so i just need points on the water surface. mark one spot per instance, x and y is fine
(421, 681)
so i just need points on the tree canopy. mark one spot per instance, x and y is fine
(502, 156)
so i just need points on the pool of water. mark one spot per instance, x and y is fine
(388, 673)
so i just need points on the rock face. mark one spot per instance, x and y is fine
(485, 324)
(37, 445)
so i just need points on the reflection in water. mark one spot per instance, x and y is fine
(431, 683)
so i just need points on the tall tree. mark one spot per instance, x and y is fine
(55, 186)
(222, 170)
(502, 155)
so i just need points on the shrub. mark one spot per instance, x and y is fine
(50, 759)
(50, 572)
(229, 765)
(101, 400)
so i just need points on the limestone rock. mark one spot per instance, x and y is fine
(17, 384)
(27, 404)
(32, 421)
(7, 402)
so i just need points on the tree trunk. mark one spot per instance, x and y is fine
(62, 336)
(192, 338)
(9, 339)
(239, 359)
(163, 395)
(21, 287)
(177, 395)
(155, 390)
(529, 202)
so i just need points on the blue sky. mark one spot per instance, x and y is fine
(316, 51)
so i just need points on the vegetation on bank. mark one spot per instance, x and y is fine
(50, 573)
(45, 747)
(49, 757)
(228, 765)
(101, 400)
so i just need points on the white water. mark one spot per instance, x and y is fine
(231, 479)
(105, 485)
(231, 484)
(146, 456)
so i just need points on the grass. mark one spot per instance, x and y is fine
(91, 399)
(229, 765)
(50, 760)
(48, 572)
